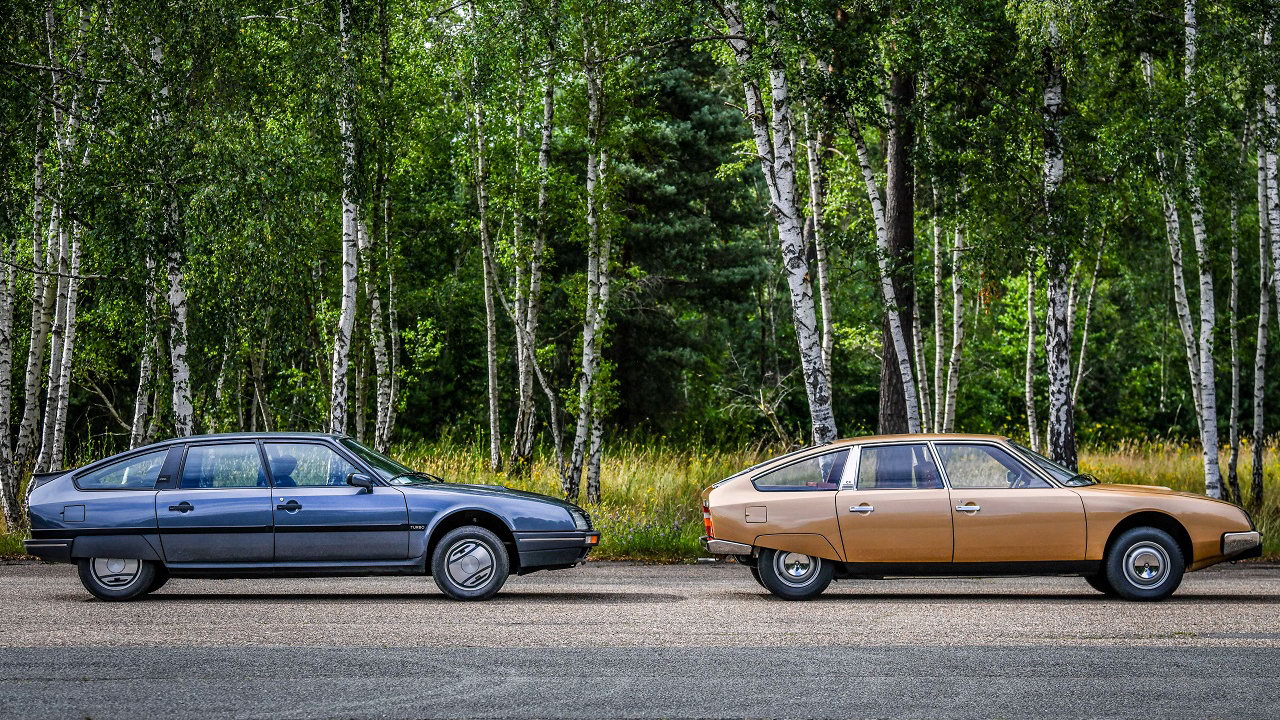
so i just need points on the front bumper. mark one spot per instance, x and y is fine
(724, 547)
(1241, 545)
(49, 550)
(541, 550)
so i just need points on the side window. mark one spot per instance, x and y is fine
(307, 465)
(985, 466)
(223, 466)
(137, 473)
(897, 467)
(821, 472)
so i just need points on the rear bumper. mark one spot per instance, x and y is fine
(1242, 545)
(49, 550)
(541, 550)
(724, 547)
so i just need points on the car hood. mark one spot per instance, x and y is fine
(487, 491)
(1140, 490)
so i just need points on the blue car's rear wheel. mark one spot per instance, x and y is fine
(470, 563)
(117, 578)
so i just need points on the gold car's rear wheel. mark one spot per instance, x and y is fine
(793, 576)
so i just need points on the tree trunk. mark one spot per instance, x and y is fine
(1257, 440)
(1028, 386)
(1061, 422)
(65, 362)
(146, 370)
(1084, 333)
(1273, 180)
(957, 331)
(1208, 313)
(183, 413)
(597, 412)
(922, 370)
(1231, 491)
(897, 332)
(490, 281)
(938, 332)
(777, 159)
(899, 221)
(61, 260)
(350, 214)
(816, 143)
(10, 507)
(534, 306)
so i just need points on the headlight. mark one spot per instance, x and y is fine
(580, 519)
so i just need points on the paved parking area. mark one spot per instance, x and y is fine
(608, 640)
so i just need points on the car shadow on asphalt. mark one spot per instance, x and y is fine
(426, 597)
(1020, 597)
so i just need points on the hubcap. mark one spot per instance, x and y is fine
(795, 569)
(469, 563)
(1146, 564)
(116, 572)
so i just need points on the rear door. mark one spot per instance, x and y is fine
(319, 517)
(1006, 513)
(220, 510)
(896, 510)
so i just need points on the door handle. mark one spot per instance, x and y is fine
(182, 507)
(864, 509)
(968, 508)
(291, 506)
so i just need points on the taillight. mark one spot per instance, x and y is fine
(706, 520)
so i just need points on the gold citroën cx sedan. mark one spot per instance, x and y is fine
(916, 505)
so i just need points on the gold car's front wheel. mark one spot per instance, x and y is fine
(1144, 563)
(793, 576)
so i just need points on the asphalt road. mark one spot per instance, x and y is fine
(636, 641)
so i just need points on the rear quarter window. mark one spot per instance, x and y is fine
(820, 472)
(136, 473)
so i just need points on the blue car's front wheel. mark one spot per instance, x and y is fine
(470, 563)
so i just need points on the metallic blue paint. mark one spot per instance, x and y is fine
(336, 530)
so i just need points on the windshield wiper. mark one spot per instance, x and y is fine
(1081, 479)
(415, 474)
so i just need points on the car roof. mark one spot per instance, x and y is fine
(249, 436)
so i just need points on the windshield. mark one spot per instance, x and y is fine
(1061, 473)
(381, 464)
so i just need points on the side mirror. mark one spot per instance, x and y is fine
(360, 480)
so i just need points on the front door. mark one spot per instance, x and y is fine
(319, 517)
(221, 509)
(897, 510)
(1005, 513)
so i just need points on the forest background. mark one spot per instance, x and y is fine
(617, 250)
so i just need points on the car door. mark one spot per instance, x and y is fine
(1004, 512)
(220, 510)
(319, 517)
(893, 508)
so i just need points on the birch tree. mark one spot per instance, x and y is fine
(1028, 383)
(490, 281)
(1257, 439)
(350, 231)
(772, 132)
(957, 331)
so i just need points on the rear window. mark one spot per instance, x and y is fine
(136, 473)
(820, 472)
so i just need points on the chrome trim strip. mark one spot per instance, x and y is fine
(724, 547)
(1238, 542)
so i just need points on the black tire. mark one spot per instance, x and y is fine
(1099, 582)
(755, 573)
(1144, 564)
(793, 576)
(479, 564)
(157, 582)
(116, 579)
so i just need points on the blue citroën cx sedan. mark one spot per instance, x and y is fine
(295, 504)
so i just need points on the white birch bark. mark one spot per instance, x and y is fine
(957, 331)
(53, 378)
(1028, 383)
(888, 294)
(490, 281)
(597, 424)
(1231, 490)
(350, 214)
(10, 506)
(595, 260)
(817, 206)
(922, 370)
(1257, 439)
(534, 307)
(146, 370)
(1208, 313)
(1084, 333)
(176, 297)
(65, 362)
(1060, 425)
(939, 333)
(377, 338)
(777, 159)
(1273, 180)
(1173, 235)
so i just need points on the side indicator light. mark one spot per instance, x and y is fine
(593, 539)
